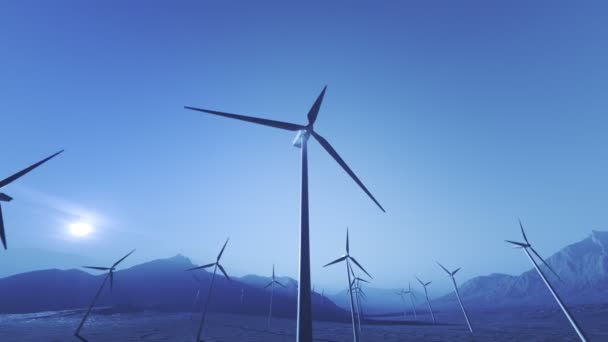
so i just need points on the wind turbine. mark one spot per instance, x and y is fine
(356, 288)
(451, 275)
(109, 276)
(215, 265)
(426, 293)
(198, 294)
(412, 296)
(6, 198)
(271, 284)
(304, 320)
(525, 246)
(348, 258)
(402, 294)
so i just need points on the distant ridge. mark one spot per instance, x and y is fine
(583, 266)
(161, 285)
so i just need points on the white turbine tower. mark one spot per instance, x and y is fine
(426, 293)
(525, 246)
(451, 275)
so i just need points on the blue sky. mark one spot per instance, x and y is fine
(458, 117)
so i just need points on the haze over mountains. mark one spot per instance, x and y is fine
(164, 285)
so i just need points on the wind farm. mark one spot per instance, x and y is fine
(262, 157)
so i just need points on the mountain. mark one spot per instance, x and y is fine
(157, 285)
(583, 267)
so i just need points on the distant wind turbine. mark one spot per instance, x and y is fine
(348, 258)
(6, 198)
(412, 296)
(109, 276)
(198, 294)
(215, 265)
(426, 293)
(451, 275)
(356, 288)
(304, 318)
(271, 284)
(402, 294)
(525, 246)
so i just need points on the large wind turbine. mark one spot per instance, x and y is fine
(215, 265)
(451, 275)
(426, 293)
(110, 276)
(304, 324)
(348, 258)
(271, 284)
(525, 246)
(6, 198)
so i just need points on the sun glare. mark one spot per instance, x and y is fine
(80, 229)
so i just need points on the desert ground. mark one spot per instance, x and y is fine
(542, 325)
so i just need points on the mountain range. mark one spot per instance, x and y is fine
(164, 285)
(161, 285)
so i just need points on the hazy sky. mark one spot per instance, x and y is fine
(458, 118)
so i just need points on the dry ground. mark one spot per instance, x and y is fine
(160, 327)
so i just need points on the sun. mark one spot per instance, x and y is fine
(80, 229)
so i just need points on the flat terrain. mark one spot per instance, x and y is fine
(150, 326)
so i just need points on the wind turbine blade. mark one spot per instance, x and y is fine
(342, 163)
(268, 285)
(340, 259)
(522, 245)
(314, 110)
(347, 247)
(272, 271)
(2, 233)
(427, 284)
(363, 280)
(545, 263)
(97, 268)
(420, 281)
(359, 265)
(455, 271)
(278, 282)
(272, 123)
(521, 226)
(17, 175)
(445, 269)
(223, 271)
(222, 251)
(200, 267)
(123, 258)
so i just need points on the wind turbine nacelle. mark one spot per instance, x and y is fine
(5, 198)
(300, 138)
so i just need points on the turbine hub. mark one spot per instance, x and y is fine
(301, 137)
